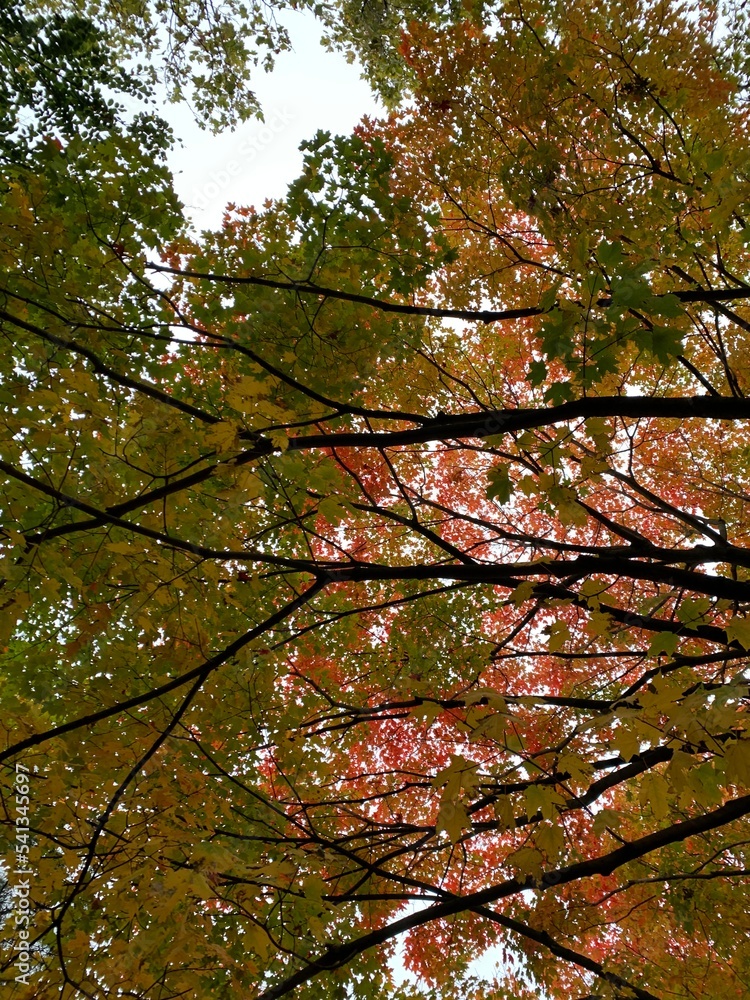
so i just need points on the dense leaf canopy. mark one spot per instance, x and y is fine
(376, 569)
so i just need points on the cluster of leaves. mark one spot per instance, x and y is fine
(54, 70)
(375, 571)
(372, 31)
(207, 53)
(200, 52)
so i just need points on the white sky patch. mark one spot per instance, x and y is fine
(309, 89)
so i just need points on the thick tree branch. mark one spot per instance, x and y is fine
(707, 295)
(336, 956)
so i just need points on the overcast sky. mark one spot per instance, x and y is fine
(309, 89)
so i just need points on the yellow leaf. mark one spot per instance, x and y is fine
(427, 711)
(550, 839)
(528, 861)
(454, 819)
(256, 940)
(458, 768)
(543, 799)
(653, 794)
(488, 695)
(523, 592)
(558, 633)
(505, 813)
(739, 629)
(244, 392)
(599, 624)
(592, 590)
(273, 412)
(279, 440)
(592, 465)
(12, 613)
(317, 928)
(121, 548)
(79, 381)
(737, 755)
(49, 588)
(222, 437)
(528, 485)
(605, 818)
(566, 501)
(201, 887)
(249, 484)
(626, 741)
(678, 770)
(494, 727)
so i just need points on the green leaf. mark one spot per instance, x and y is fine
(605, 818)
(663, 643)
(691, 611)
(537, 372)
(663, 342)
(501, 487)
(453, 819)
(654, 794)
(668, 306)
(559, 635)
(333, 510)
(739, 629)
(559, 392)
(609, 255)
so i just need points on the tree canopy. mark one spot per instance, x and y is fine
(376, 568)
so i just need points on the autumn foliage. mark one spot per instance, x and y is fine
(375, 569)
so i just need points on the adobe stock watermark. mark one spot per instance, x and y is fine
(248, 150)
(20, 876)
